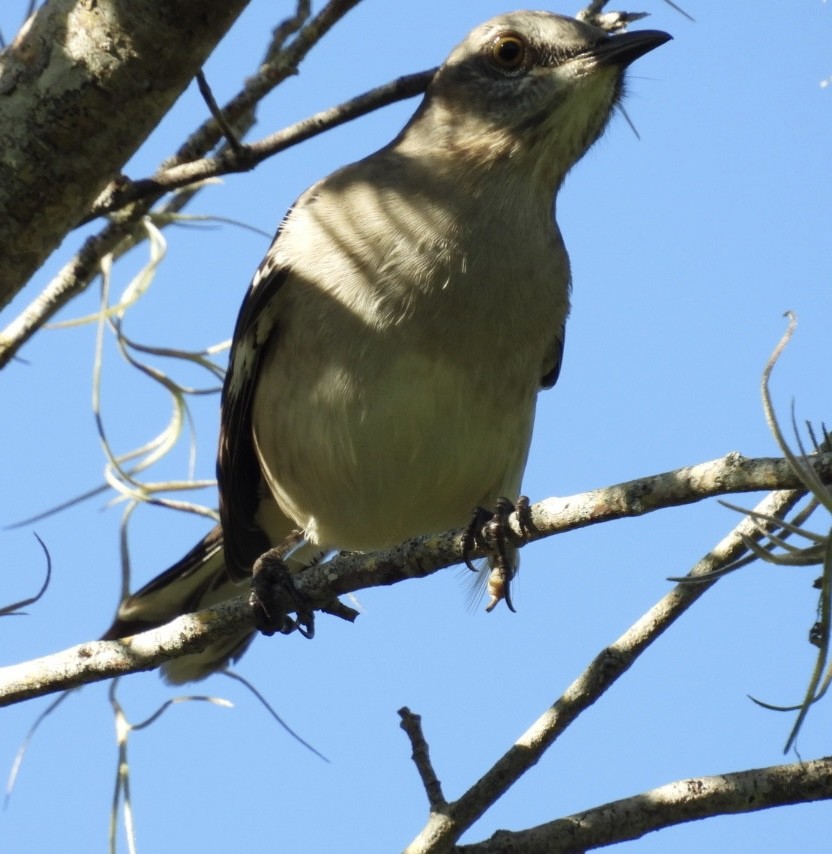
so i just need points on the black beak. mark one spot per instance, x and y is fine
(623, 49)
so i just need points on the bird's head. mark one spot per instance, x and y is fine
(532, 88)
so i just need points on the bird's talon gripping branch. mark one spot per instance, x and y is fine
(274, 595)
(489, 530)
(523, 509)
(472, 537)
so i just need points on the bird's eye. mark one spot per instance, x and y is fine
(508, 51)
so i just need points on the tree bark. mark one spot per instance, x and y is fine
(81, 87)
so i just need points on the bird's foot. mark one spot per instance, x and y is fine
(490, 530)
(274, 596)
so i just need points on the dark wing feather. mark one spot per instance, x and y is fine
(551, 377)
(179, 590)
(196, 581)
(238, 469)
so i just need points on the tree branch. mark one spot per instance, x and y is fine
(248, 156)
(73, 64)
(412, 725)
(417, 558)
(675, 803)
(117, 237)
(446, 825)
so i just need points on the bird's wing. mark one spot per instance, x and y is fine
(239, 474)
(197, 576)
(552, 374)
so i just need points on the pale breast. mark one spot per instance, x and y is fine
(402, 375)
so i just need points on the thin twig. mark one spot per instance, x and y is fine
(247, 157)
(216, 112)
(412, 725)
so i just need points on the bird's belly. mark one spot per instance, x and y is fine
(365, 459)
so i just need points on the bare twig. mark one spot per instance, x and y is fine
(666, 806)
(412, 725)
(116, 238)
(216, 112)
(246, 157)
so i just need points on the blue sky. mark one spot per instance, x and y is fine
(687, 246)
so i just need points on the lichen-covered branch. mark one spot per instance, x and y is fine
(666, 806)
(415, 558)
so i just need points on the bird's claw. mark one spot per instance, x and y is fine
(274, 595)
(490, 529)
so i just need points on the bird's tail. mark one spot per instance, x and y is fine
(197, 581)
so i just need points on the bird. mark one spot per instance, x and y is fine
(387, 358)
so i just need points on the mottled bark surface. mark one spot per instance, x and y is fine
(81, 87)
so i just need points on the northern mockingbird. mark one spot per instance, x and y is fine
(388, 355)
